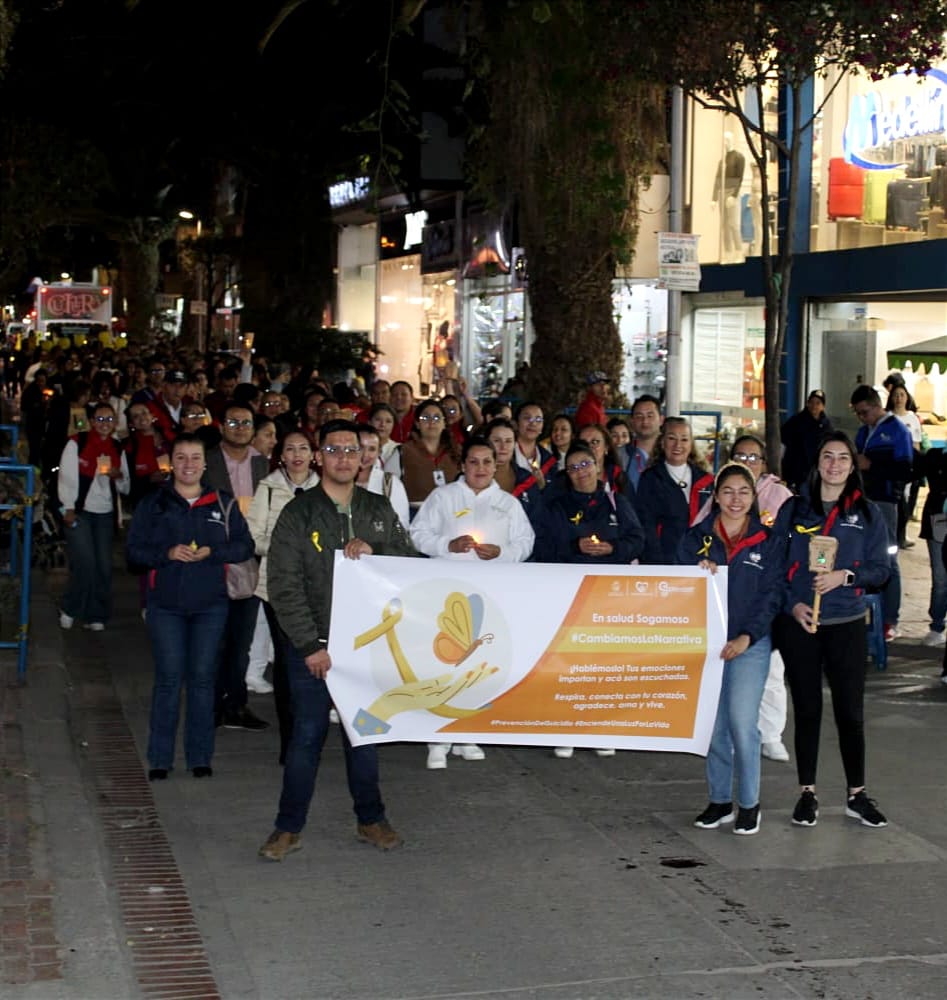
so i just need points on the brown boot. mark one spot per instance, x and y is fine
(380, 835)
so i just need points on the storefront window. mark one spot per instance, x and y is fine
(495, 341)
(723, 185)
(883, 163)
(402, 332)
(723, 354)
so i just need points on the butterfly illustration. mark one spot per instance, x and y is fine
(459, 625)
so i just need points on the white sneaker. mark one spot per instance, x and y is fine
(774, 750)
(934, 638)
(260, 685)
(437, 756)
(604, 753)
(95, 627)
(66, 621)
(564, 752)
(469, 751)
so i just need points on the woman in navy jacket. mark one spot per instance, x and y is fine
(832, 503)
(583, 522)
(732, 535)
(183, 535)
(671, 490)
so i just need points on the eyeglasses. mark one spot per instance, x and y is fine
(580, 466)
(451, 411)
(156, 371)
(532, 420)
(341, 449)
(231, 422)
(198, 415)
(272, 402)
(105, 420)
(430, 418)
(742, 456)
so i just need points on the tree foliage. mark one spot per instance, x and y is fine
(567, 135)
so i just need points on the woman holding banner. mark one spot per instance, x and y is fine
(822, 629)
(471, 519)
(732, 535)
(585, 523)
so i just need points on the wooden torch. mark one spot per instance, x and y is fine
(822, 551)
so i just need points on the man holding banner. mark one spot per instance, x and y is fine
(334, 516)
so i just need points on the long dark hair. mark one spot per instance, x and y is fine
(852, 486)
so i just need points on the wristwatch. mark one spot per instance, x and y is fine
(849, 578)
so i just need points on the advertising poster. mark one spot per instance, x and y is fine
(433, 650)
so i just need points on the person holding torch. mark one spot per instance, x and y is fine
(833, 642)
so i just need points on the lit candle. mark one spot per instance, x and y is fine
(105, 465)
(193, 545)
(594, 539)
(164, 463)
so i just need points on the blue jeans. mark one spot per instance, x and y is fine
(891, 592)
(311, 704)
(938, 608)
(88, 594)
(184, 646)
(735, 744)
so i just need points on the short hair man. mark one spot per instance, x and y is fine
(885, 457)
(299, 580)
(645, 431)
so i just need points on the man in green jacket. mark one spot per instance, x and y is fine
(336, 514)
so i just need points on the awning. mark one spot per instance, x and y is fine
(926, 352)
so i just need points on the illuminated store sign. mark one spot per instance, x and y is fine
(874, 121)
(348, 192)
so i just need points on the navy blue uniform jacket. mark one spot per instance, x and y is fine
(568, 515)
(666, 511)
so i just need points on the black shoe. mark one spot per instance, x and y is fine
(748, 821)
(202, 772)
(859, 806)
(806, 812)
(243, 718)
(715, 814)
(158, 774)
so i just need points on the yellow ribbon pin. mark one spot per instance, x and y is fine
(808, 531)
(315, 541)
(460, 513)
(705, 548)
(577, 518)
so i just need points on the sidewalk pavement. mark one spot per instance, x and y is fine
(523, 876)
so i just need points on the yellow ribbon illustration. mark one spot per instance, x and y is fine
(704, 550)
(577, 518)
(808, 531)
(460, 513)
(390, 617)
(315, 541)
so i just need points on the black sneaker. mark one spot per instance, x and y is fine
(748, 821)
(715, 814)
(243, 718)
(806, 812)
(859, 806)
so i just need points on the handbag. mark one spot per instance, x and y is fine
(242, 577)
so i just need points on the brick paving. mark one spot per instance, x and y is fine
(29, 949)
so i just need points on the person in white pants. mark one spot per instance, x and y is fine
(471, 519)
(261, 655)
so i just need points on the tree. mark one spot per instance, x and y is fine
(568, 135)
(748, 47)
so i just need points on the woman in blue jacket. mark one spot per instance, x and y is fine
(583, 522)
(671, 491)
(832, 503)
(183, 535)
(732, 535)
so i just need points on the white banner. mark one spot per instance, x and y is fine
(437, 650)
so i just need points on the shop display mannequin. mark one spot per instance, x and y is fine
(726, 197)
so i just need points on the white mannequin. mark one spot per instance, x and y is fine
(727, 190)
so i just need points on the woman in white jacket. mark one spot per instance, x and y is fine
(471, 519)
(294, 475)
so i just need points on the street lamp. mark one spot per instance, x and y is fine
(197, 307)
